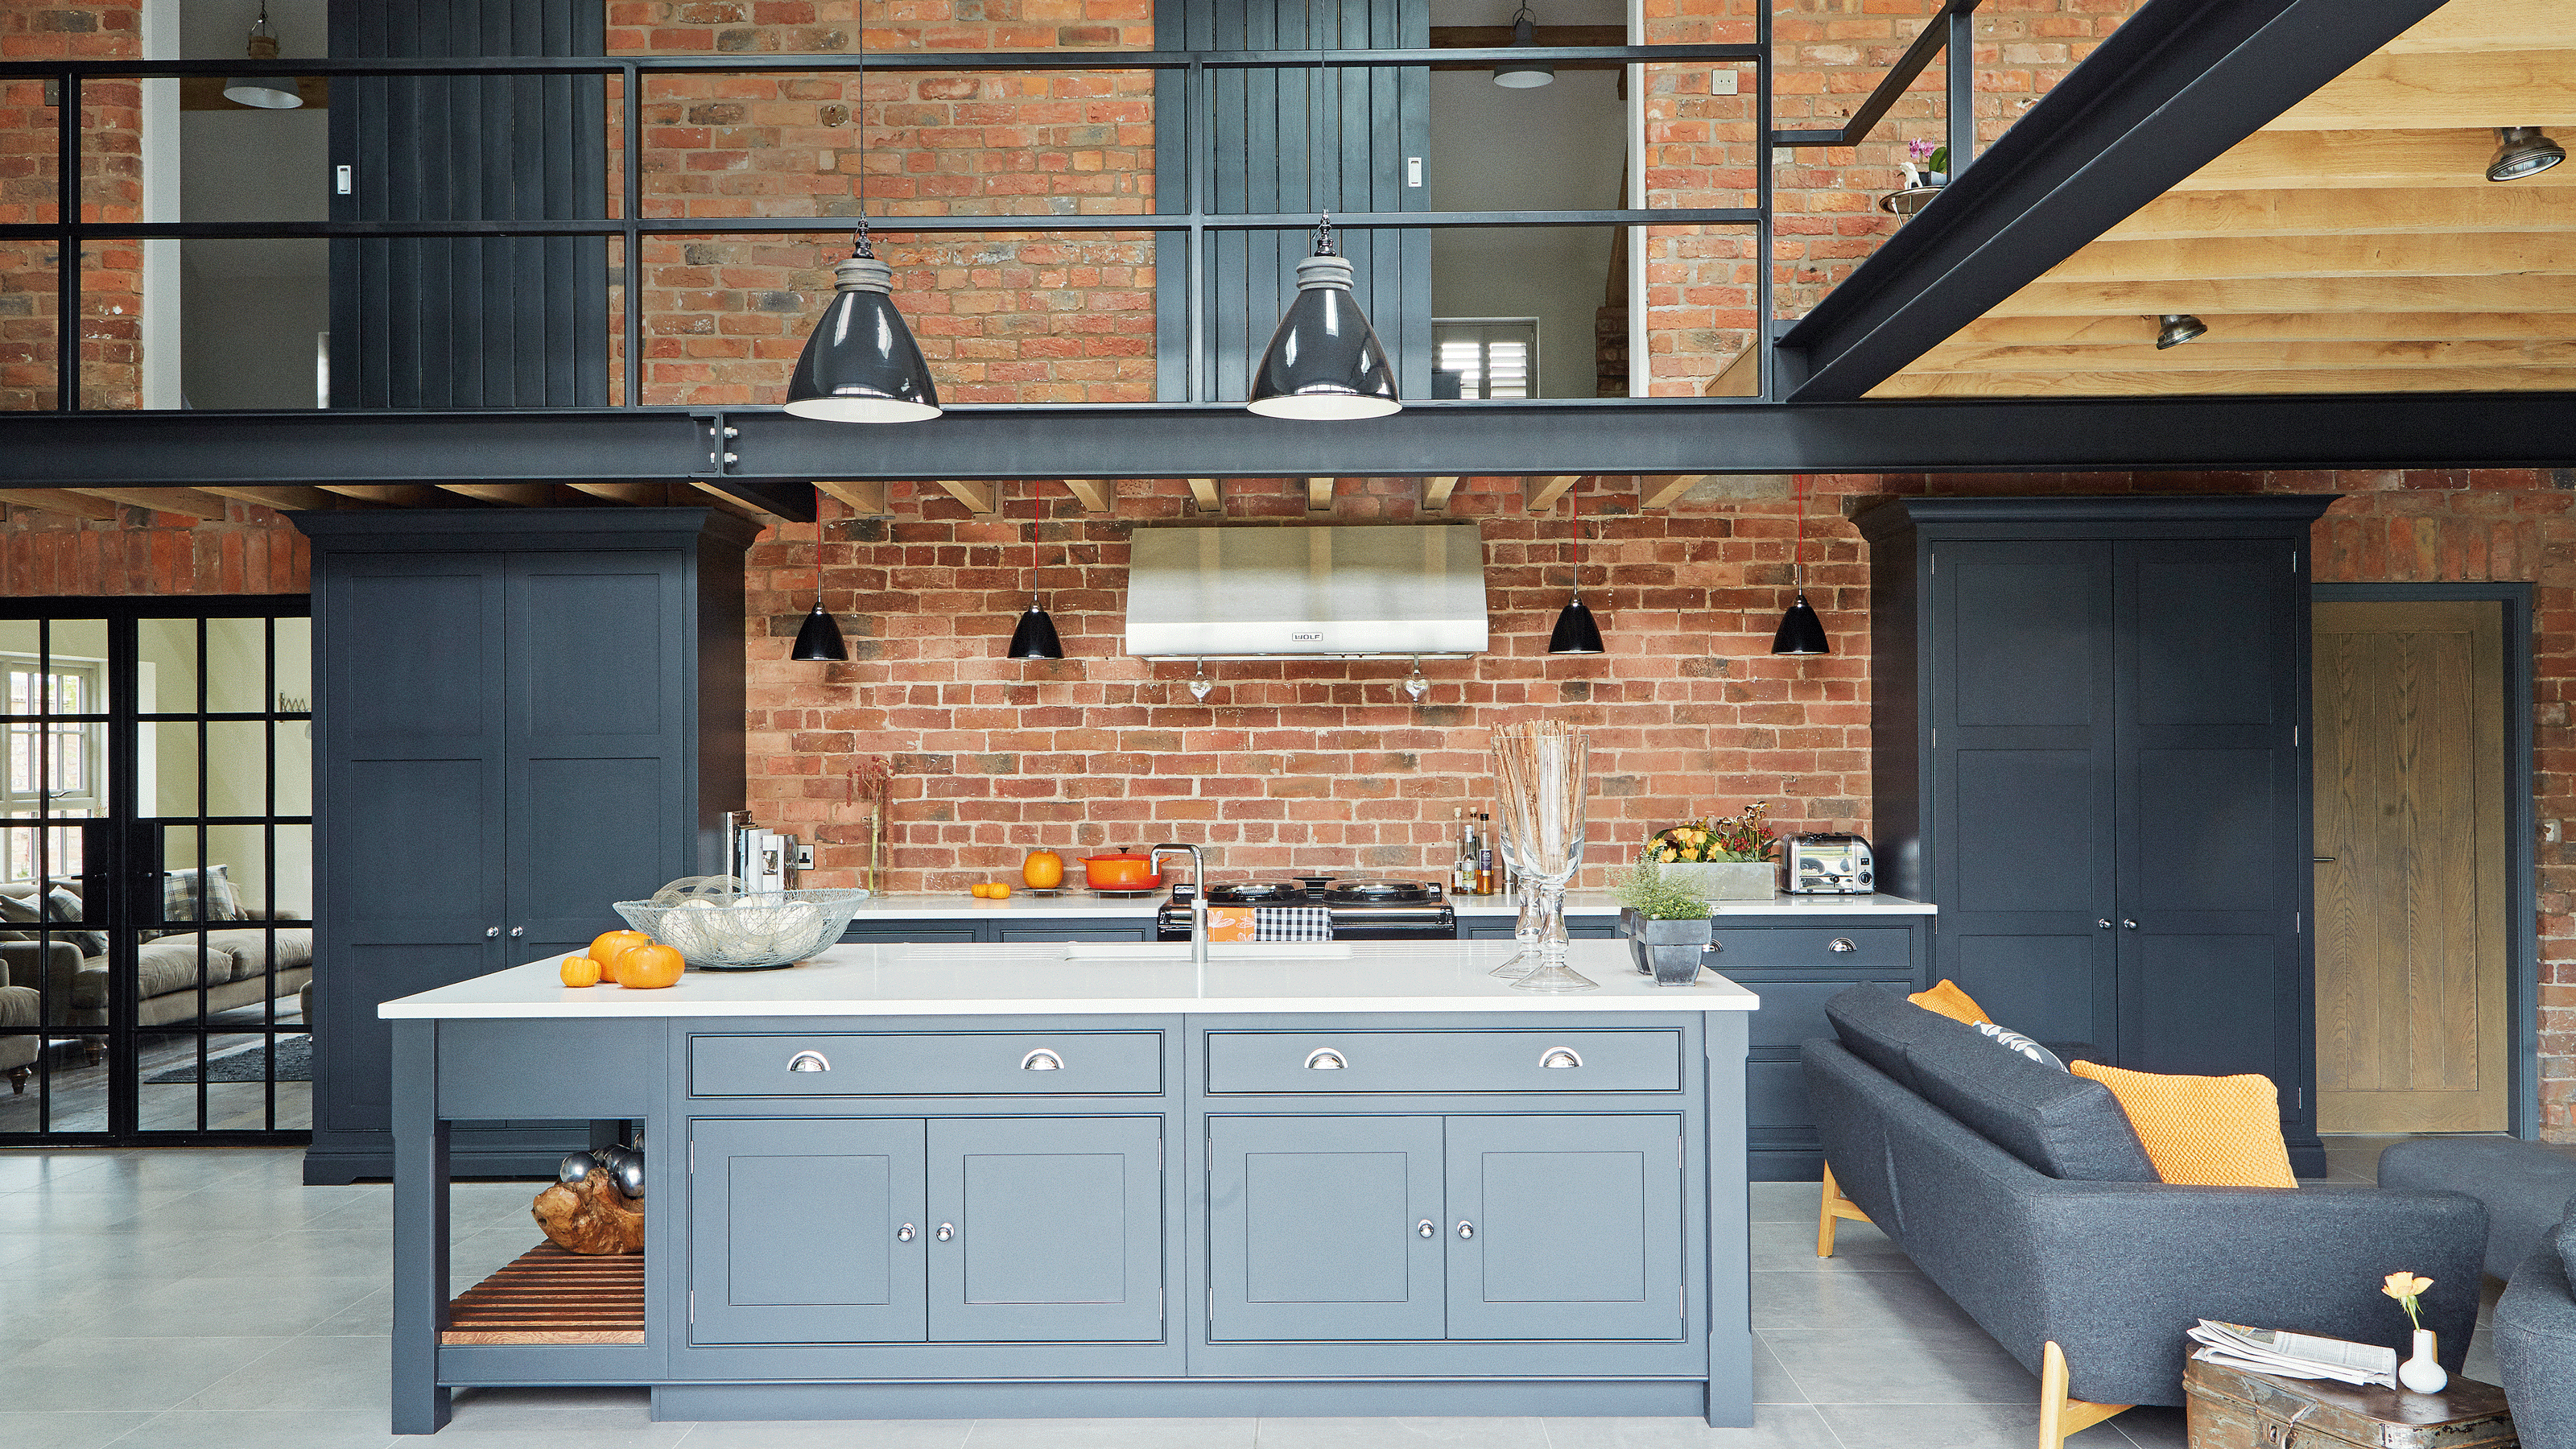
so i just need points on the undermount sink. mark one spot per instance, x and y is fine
(1161, 951)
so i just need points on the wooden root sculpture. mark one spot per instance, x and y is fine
(590, 1217)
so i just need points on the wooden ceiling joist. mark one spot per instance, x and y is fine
(517, 495)
(2126, 331)
(2222, 258)
(2219, 353)
(634, 495)
(187, 502)
(1096, 495)
(2393, 92)
(284, 497)
(400, 495)
(2454, 158)
(1667, 491)
(711, 496)
(1436, 493)
(1208, 495)
(1539, 495)
(63, 501)
(2171, 382)
(866, 497)
(981, 497)
(1319, 495)
(2291, 294)
(2483, 25)
(2393, 210)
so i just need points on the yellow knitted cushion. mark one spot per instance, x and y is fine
(2203, 1131)
(1951, 1002)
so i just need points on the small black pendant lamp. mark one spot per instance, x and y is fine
(1521, 75)
(1035, 638)
(861, 365)
(1576, 632)
(1324, 362)
(1801, 632)
(819, 641)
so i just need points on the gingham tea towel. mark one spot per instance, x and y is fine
(1292, 923)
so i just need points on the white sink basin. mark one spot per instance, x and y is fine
(1166, 951)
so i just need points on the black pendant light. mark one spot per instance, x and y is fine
(1524, 75)
(1575, 632)
(1324, 362)
(819, 641)
(861, 365)
(1800, 632)
(1035, 638)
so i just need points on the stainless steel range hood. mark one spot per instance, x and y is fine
(1377, 591)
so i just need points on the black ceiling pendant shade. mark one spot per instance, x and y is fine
(1324, 362)
(2523, 151)
(861, 365)
(1035, 638)
(819, 642)
(2176, 328)
(1800, 631)
(1576, 631)
(1521, 75)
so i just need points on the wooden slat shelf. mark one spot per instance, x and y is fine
(548, 1295)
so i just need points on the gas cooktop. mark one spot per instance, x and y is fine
(1362, 908)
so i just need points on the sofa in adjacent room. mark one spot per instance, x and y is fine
(240, 963)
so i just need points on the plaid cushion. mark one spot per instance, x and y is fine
(62, 905)
(179, 895)
(1292, 923)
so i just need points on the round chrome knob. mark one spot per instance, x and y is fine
(491, 933)
(2104, 923)
(1325, 1059)
(903, 1234)
(1560, 1058)
(517, 931)
(1841, 944)
(1426, 1227)
(945, 1231)
(2125, 921)
(1466, 1229)
(809, 1062)
(1041, 1060)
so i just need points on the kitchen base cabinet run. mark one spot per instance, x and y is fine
(1308, 1205)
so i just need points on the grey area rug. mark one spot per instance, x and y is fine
(248, 1064)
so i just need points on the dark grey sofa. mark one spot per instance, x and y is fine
(2045, 1222)
(2535, 1341)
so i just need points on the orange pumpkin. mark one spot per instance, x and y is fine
(1000, 891)
(580, 971)
(1043, 870)
(648, 968)
(609, 945)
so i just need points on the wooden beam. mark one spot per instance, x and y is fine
(2453, 157)
(284, 497)
(519, 495)
(983, 499)
(1208, 495)
(2390, 92)
(61, 500)
(186, 501)
(1666, 491)
(2128, 331)
(2140, 383)
(713, 496)
(2220, 351)
(1741, 377)
(1096, 495)
(633, 495)
(1436, 491)
(401, 495)
(1539, 495)
(2222, 258)
(1319, 495)
(2476, 25)
(864, 497)
(2347, 213)
(2289, 294)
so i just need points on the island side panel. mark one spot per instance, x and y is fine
(420, 1402)
(1730, 1264)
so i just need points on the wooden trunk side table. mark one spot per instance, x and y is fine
(2232, 1409)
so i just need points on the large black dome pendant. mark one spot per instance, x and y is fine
(1324, 362)
(861, 365)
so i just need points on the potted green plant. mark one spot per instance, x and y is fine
(1666, 924)
(1721, 860)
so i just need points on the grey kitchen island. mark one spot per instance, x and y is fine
(990, 1180)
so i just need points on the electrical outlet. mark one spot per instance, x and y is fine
(2549, 831)
(1722, 80)
(804, 857)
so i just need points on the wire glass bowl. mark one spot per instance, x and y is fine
(746, 932)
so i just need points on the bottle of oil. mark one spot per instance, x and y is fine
(1462, 864)
(1486, 882)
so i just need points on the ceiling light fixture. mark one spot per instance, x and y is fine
(2523, 151)
(861, 365)
(1801, 632)
(1523, 75)
(2177, 328)
(1324, 363)
(267, 92)
(1035, 638)
(1576, 631)
(819, 641)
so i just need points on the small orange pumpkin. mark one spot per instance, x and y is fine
(609, 945)
(580, 971)
(649, 968)
(1043, 870)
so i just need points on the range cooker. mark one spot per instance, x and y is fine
(1362, 910)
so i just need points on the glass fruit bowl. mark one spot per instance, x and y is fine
(755, 932)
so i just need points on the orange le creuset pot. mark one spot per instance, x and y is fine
(1124, 869)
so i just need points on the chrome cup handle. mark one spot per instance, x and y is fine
(1560, 1058)
(809, 1062)
(1325, 1059)
(1041, 1060)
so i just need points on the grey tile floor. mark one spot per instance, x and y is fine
(180, 1298)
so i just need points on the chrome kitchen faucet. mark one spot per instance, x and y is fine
(1198, 896)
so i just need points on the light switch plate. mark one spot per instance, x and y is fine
(804, 857)
(1722, 80)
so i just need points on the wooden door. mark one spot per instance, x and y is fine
(1317, 1228)
(1058, 1230)
(798, 1231)
(2410, 877)
(1565, 1227)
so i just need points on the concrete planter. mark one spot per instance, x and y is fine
(1724, 880)
(1669, 951)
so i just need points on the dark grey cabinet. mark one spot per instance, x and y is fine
(906, 1230)
(2087, 752)
(518, 726)
(1417, 1228)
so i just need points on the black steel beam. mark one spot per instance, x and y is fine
(771, 449)
(2177, 84)
(981, 224)
(1891, 87)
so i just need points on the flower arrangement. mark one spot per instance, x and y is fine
(1743, 838)
(1923, 158)
(2405, 1287)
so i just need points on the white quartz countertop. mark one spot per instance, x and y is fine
(1577, 903)
(1028, 979)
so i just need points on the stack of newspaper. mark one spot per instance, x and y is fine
(2293, 1355)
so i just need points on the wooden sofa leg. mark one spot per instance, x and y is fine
(2059, 1415)
(1831, 1206)
(17, 1080)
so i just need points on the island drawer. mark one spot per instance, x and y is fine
(926, 1064)
(1345, 1062)
(1807, 946)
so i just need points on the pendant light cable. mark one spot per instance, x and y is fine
(1576, 632)
(1800, 632)
(819, 641)
(1035, 638)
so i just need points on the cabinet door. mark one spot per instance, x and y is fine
(1565, 1227)
(1058, 1230)
(2213, 850)
(2024, 738)
(599, 731)
(1315, 1228)
(795, 1231)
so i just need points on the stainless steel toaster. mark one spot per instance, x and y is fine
(1826, 865)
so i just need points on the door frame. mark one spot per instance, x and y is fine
(2522, 887)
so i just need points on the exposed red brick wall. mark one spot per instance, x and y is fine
(111, 190)
(252, 551)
